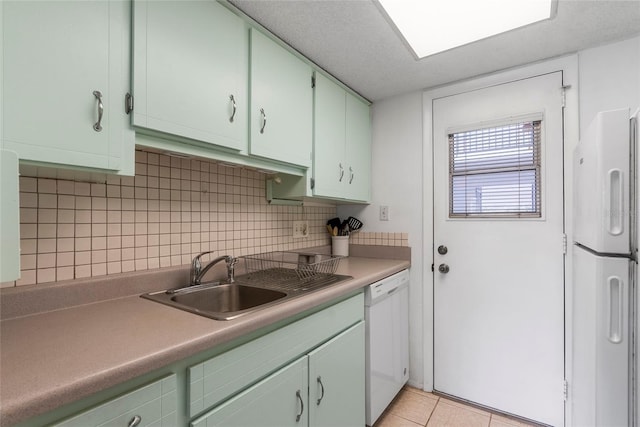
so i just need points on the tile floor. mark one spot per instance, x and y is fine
(415, 408)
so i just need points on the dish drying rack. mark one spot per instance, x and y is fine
(281, 265)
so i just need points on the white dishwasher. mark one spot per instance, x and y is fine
(387, 341)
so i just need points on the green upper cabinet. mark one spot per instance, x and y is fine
(190, 65)
(329, 133)
(65, 74)
(357, 149)
(281, 103)
(342, 143)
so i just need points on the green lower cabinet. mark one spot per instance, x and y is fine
(153, 405)
(324, 388)
(336, 381)
(309, 372)
(280, 400)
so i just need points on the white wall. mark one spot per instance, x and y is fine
(609, 79)
(397, 180)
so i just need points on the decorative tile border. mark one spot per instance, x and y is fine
(379, 238)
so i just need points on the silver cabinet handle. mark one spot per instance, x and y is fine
(443, 268)
(341, 172)
(322, 389)
(301, 406)
(351, 175)
(233, 104)
(135, 421)
(264, 120)
(98, 126)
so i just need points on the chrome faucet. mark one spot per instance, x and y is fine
(198, 272)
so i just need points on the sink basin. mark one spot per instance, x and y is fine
(250, 292)
(218, 301)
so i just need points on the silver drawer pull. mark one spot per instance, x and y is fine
(322, 390)
(264, 120)
(351, 174)
(98, 126)
(136, 420)
(301, 406)
(341, 172)
(233, 104)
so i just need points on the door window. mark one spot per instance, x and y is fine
(495, 171)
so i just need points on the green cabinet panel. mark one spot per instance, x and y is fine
(337, 380)
(342, 143)
(216, 379)
(358, 149)
(281, 103)
(280, 400)
(65, 68)
(190, 71)
(9, 217)
(329, 133)
(154, 404)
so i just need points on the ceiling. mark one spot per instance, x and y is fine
(354, 42)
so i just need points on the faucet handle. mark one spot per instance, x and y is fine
(196, 267)
(231, 264)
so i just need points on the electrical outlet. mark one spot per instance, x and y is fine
(384, 213)
(300, 229)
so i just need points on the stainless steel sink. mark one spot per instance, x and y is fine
(221, 301)
(250, 292)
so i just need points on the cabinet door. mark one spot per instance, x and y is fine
(336, 380)
(280, 400)
(190, 71)
(329, 166)
(358, 150)
(57, 56)
(281, 103)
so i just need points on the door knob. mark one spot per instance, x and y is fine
(443, 268)
(442, 249)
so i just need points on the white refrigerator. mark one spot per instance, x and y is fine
(603, 389)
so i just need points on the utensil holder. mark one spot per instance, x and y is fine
(340, 245)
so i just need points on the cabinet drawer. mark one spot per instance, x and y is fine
(154, 403)
(218, 378)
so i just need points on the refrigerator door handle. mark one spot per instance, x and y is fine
(614, 318)
(615, 197)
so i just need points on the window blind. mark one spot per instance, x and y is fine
(495, 171)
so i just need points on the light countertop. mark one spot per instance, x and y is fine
(53, 358)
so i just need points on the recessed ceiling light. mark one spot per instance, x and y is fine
(433, 26)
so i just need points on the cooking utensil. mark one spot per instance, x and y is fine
(335, 231)
(344, 228)
(334, 222)
(354, 224)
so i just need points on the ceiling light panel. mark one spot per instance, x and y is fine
(432, 26)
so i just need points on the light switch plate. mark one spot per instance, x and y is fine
(384, 213)
(300, 229)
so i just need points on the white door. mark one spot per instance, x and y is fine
(499, 309)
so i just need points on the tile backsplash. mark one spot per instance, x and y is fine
(172, 209)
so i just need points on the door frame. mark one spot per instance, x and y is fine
(568, 65)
